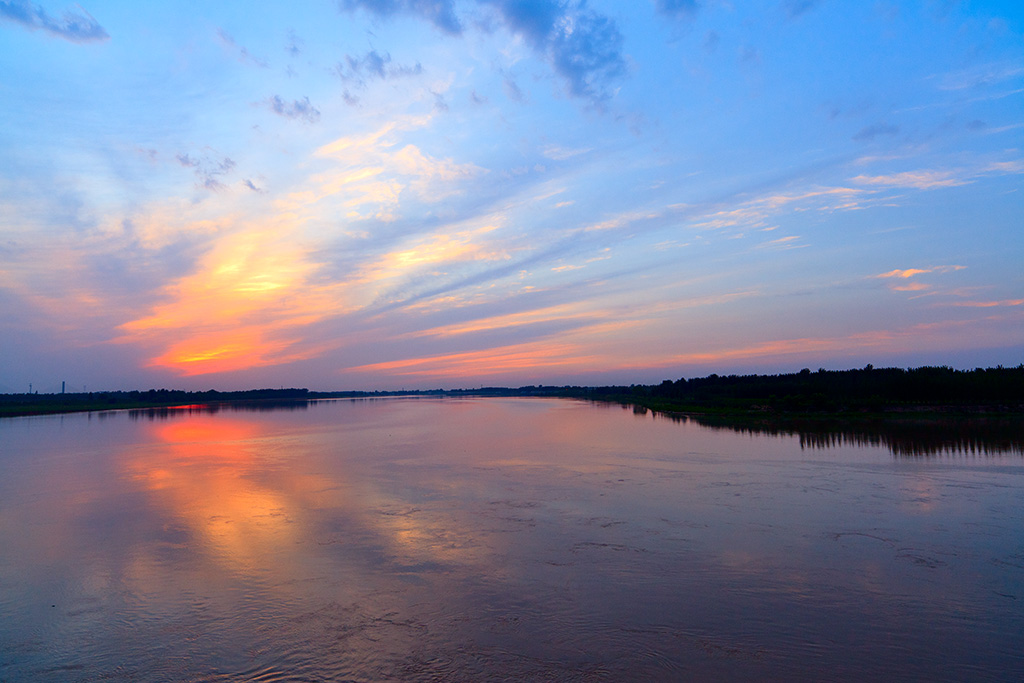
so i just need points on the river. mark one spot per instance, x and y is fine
(469, 539)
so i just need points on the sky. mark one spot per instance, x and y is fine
(388, 194)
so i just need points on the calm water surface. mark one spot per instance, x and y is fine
(514, 539)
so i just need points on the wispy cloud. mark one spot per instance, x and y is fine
(912, 272)
(677, 9)
(755, 213)
(207, 169)
(512, 90)
(794, 8)
(239, 51)
(981, 76)
(296, 109)
(359, 70)
(922, 180)
(987, 304)
(559, 153)
(869, 133)
(77, 26)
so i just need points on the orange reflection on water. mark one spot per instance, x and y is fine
(201, 470)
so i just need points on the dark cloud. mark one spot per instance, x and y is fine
(677, 9)
(296, 109)
(871, 132)
(477, 98)
(794, 8)
(248, 183)
(77, 25)
(441, 13)
(207, 170)
(373, 65)
(583, 46)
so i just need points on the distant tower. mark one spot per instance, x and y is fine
(62, 387)
(30, 387)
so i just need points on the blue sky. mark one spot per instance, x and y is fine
(417, 193)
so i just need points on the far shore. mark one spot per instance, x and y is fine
(858, 394)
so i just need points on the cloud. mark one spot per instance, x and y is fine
(711, 40)
(755, 213)
(558, 153)
(871, 132)
(294, 45)
(922, 180)
(794, 8)
(583, 46)
(242, 53)
(988, 304)
(904, 274)
(239, 308)
(440, 105)
(297, 109)
(513, 91)
(441, 13)
(749, 56)
(981, 76)
(677, 9)
(77, 26)
(207, 170)
(373, 65)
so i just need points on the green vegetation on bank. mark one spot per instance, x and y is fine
(865, 391)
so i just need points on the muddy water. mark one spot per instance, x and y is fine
(511, 539)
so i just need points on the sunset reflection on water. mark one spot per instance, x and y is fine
(435, 539)
(199, 473)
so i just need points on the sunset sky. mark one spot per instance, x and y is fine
(384, 194)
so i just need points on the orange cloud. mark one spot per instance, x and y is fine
(230, 314)
(598, 349)
(501, 360)
(511, 320)
(911, 272)
(224, 351)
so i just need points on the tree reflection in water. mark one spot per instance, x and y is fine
(962, 436)
(918, 437)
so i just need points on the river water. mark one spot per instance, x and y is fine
(499, 539)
